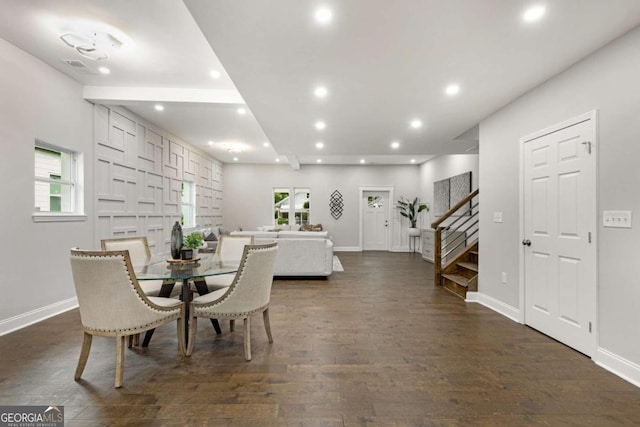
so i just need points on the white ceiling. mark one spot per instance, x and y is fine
(383, 63)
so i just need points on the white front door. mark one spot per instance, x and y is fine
(559, 232)
(375, 221)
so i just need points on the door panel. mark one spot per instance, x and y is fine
(375, 221)
(559, 219)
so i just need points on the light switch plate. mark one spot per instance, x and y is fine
(616, 219)
(497, 217)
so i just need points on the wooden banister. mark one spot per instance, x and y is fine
(438, 250)
(453, 210)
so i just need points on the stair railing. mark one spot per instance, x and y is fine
(463, 227)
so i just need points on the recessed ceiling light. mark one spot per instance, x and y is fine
(319, 145)
(320, 92)
(319, 161)
(323, 15)
(210, 142)
(362, 161)
(534, 13)
(104, 70)
(452, 89)
(395, 145)
(235, 159)
(265, 144)
(215, 74)
(159, 107)
(242, 111)
(416, 123)
(320, 125)
(412, 160)
(277, 159)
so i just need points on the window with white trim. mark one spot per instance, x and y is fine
(57, 182)
(188, 204)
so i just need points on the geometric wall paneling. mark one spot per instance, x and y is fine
(138, 173)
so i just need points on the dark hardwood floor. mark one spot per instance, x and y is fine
(376, 345)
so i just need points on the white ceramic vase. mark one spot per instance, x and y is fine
(414, 231)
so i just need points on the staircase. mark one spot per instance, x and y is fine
(456, 247)
(461, 274)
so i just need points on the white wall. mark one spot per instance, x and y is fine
(607, 82)
(37, 102)
(443, 167)
(248, 199)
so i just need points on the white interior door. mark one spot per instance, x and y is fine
(559, 233)
(375, 221)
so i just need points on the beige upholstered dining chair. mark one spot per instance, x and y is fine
(248, 295)
(230, 248)
(112, 304)
(140, 254)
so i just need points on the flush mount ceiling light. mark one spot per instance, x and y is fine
(233, 147)
(319, 161)
(159, 107)
(242, 111)
(97, 46)
(320, 125)
(235, 159)
(265, 144)
(395, 145)
(104, 70)
(416, 123)
(412, 160)
(534, 13)
(277, 159)
(362, 161)
(215, 74)
(319, 145)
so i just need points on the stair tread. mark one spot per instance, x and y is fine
(469, 265)
(456, 278)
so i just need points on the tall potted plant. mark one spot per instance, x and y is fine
(410, 210)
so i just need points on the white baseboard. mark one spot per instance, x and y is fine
(619, 366)
(498, 306)
(34, 316)
(347, 249)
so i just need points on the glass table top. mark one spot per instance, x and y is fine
(207, 265)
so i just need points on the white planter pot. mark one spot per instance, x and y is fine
(414, 231)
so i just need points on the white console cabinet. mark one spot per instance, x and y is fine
(428, 240)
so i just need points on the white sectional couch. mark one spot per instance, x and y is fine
(300, 253)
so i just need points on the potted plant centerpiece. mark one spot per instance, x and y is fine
(410, 210)
(191, 244)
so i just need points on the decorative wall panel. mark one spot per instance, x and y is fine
(139, 171)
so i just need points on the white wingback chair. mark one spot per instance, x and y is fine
(248, 295)
(112, 304)
(230, 248)
(140, 254)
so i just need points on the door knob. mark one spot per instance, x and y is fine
(526, 242)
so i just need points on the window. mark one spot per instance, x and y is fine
(281, 206)
(58, 184)
(188, 204)
(286, 212)
(301, 205)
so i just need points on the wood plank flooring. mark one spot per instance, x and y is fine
(375, 345)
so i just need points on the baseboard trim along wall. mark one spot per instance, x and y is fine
(619, 366)
(34, 316)
(347, 249)
(496, 305)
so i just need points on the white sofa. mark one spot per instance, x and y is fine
(300, 253)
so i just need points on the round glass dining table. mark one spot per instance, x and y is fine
(172, 271)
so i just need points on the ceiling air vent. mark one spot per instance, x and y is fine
(79, 66)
